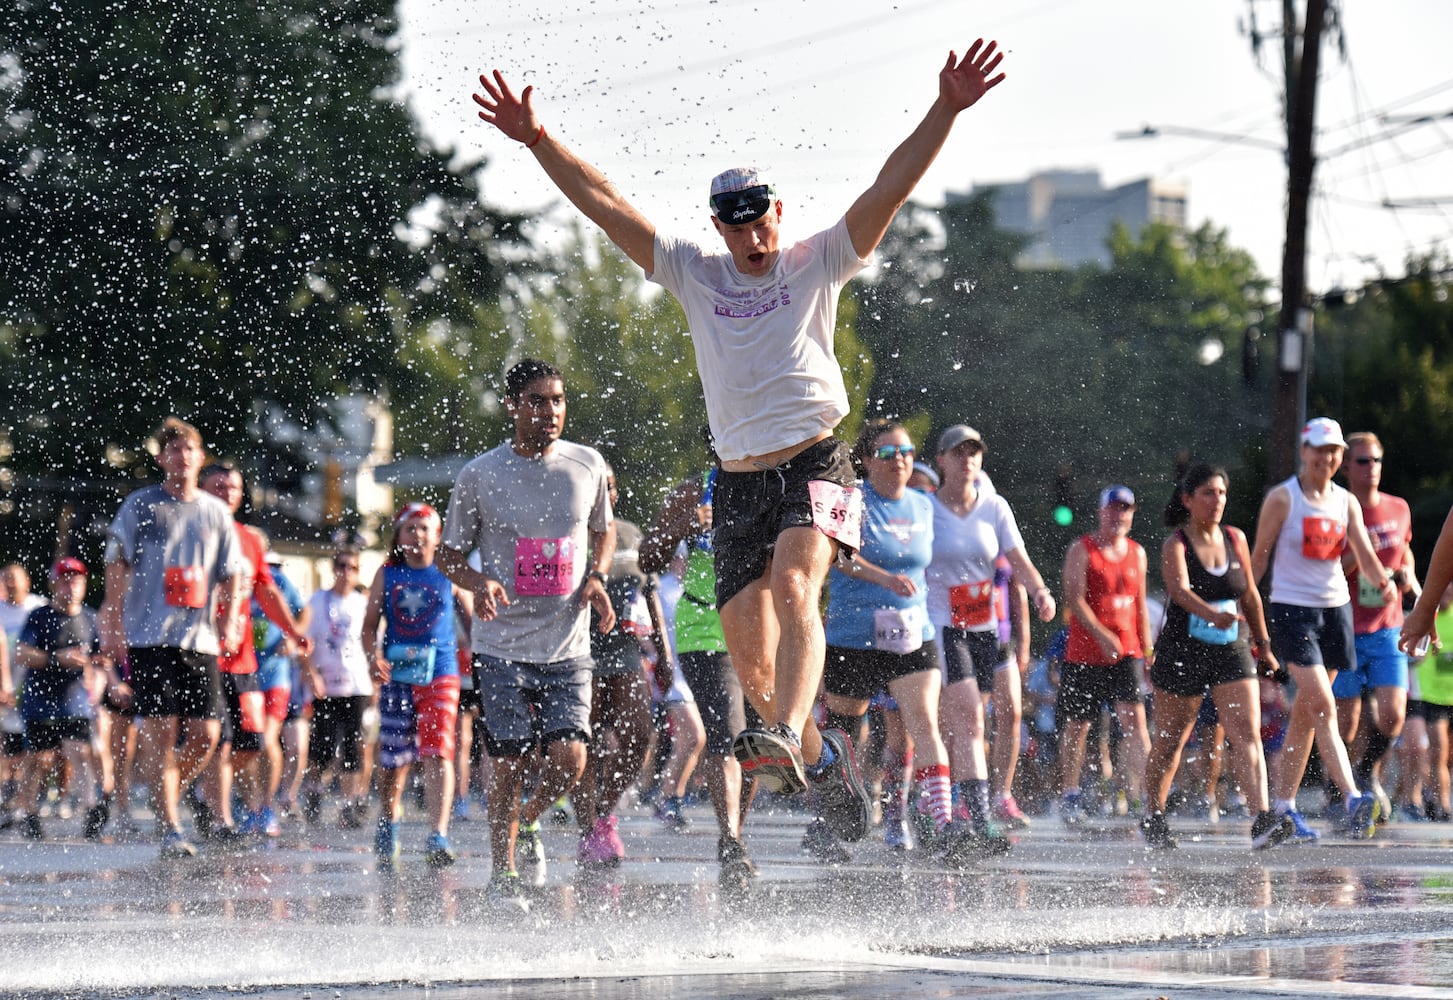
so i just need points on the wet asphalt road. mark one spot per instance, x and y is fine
(1083, 913)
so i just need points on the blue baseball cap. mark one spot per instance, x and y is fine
(1117, 494)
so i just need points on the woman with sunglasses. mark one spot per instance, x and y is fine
(972, 527)
(878, 633)
(1202, 648)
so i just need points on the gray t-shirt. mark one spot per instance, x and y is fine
(178, 551)
(530, 520)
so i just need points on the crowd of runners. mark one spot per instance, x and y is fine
(810, 620)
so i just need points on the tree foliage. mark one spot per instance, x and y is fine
(1386, 365)
(1075, 378)
(203, 205)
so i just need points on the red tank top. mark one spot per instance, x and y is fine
(1111, 588)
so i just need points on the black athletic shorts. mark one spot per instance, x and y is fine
(1083, 688)
(973, 655)
(752, 508)
(718, 693)
(172, 682)
(862, 673)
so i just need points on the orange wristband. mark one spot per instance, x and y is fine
(536, 141)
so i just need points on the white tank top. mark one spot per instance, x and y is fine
(1307, 570)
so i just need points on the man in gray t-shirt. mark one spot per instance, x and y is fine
(537, 512)
(173, 572)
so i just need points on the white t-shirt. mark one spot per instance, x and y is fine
(12, 620)
(964, 551)
(530, 519)
(764, 345)
(335, 624)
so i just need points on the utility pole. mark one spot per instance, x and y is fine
(1293, 335)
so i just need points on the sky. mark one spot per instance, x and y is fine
(662, 95)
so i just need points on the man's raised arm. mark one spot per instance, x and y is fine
(960, 85)
(585, 186)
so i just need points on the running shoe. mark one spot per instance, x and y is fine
(822, 843)
(960, 844)
(1363, 813)
(737, 871)
(1336, 811)
(1410, 813)
(507, 893)
(669, 811)
(30, 827)
(530, 854)
(896, 834)
(386, 846)
(843, 799)
(1071, 809)
(174, 846)
(96, 818)
(733, 851)
(1301, 832)
(1386, 813)
(461, 810)
(1007, 811)
(601, 846)
(226, 836)
(1156, 831)
(267, 823)
(772, 757)
(1269, 829)
(437, 852)
(203, 817)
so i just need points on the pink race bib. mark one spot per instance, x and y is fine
(837, 511)
(544, 567)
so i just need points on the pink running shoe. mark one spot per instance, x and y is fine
(1007, 811)
(601, 847)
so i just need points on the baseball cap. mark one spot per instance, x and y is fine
(417, 509)
(1321, 431)
(741, 194)
(957, 435)
(70, 565)
(1117, 494)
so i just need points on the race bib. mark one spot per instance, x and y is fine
(544, 567)
(1203, 630)
(410, 664)
(185, 586)
(898, 630)
(1323, 537)
(837, 511)
(971, 605)
(1369, 595)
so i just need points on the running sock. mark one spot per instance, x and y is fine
(936, 791)
(1284, 806)
(826, 761)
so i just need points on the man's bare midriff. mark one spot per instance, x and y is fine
(754, 463)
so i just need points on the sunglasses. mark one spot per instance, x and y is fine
(890, 451)
(745, 205)
(1366, 460)
(344, 567)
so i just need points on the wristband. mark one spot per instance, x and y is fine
(596, 574)
(536, 141)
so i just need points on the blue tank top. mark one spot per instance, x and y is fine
(418, 609)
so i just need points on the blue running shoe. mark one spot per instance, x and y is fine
(1301, 832)
(437, 852)
(1363, 813)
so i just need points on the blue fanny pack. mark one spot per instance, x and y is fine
(1203, 630)
(410, 664)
